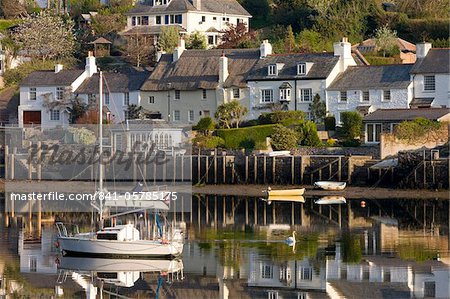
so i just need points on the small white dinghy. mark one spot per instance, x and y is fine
(331, 200)
(284, 193)
(330, 186)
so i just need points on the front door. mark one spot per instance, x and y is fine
(32, 117)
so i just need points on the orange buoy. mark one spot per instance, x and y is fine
(363, 204)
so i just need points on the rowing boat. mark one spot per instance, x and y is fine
(331, 186)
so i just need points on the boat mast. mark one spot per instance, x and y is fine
(100, 137)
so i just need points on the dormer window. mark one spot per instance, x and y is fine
(301, 69)
(272, 70)
(285, 92)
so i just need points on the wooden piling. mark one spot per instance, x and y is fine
(339, 173)
(224, 205)
(246, 211)
(7, 162)
(246, 169)
(255, 169)
(224, 170)
(207, 170)
(255, 212)
(273, 169)
(215, 166)
(264, 169)
(215, 211)
(292, 170)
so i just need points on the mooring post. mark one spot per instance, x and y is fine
(174, 169)
(255, 212)
(350, 170)
(224, 169)
(215, 211)
(273, 169)
(215, 166)
(264, 169)
(6, 162)
(292, 214)
(246, 211)
(246, 169)
(339, 174)
(265, 213)
(207, 210)
(274, 219)
(292, 170)
(207, 170)
(199, 175)
(224, 208)
(232, 171)
(255, 169)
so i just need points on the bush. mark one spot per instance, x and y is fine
(416, 30)
(284, 138)
(330, 123)
(243, 137)
(331, 142)
(286, 118)
(250, 123)
(205, 125)
(309, 134)
(416, 129)
(351, 124)
(208, 142)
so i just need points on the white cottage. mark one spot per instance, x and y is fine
(209, 17)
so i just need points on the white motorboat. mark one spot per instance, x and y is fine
(330, 186)
(287, 192)
(330, 200)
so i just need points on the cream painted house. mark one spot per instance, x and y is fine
(209, 17)
(290, 81)
(190, 84)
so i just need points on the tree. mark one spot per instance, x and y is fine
(311, 41)
(308, 131)
(104, 24)
(351, 124)
(168, 39)
(134, 111)
(46, 36)
(196, 40)
(318, 109)
(237, 36)
(386, 40)
(283, 138)
(12, 9)
(206, 126)
(139, 49)
(289, 40)
(77, 110)
(230, 114)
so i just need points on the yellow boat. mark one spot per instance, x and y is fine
(291, 198)
(289, 192)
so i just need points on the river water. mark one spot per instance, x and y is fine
(234, 248)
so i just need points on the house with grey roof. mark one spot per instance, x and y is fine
(190, 84)
(209, 17)
(431, 77)
(119, 91)
(45, 95)
(290, 81)
(367, 88)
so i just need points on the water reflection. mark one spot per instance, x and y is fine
(236, 249)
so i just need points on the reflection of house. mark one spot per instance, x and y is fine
(367, 88)
(407, 49)
(37, 257)
(206, 16)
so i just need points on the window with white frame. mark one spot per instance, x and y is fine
(272, 70)
(176, 115)
(59, 93)
(343, 96)
(204, 94)
(429, 83)
(266, 271)
(236, 93)
(106, 96)
(305, 95)
(151, 100)
(272, 295)
(285, 94)
(191, 116)
(32, 94)
(373, 133)
(365, 96)
(386, 95)
(126, 98)
(54, 114)
(177, 94)
(301, 69)
(306, 273)
(266, 95)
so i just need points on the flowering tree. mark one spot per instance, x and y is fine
(45, 36)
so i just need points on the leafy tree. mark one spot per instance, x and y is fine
(134, 111)
(139, 49)
(308, 131)
(237, 36)
(417, 129)
(206, 126)
(386, 40)
(105, 24)
(289, 40)
(311, 41)
(196, 40)
(351, 124)
(318, 109)
(284, 138)
(12, 9)
(168, 39)
(77, 111)
(46, 36)
(230, 114)
(77, 7)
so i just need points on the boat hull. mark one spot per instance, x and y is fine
(331, 186)
(290, 198)
(71, 246)
(290, 192)
(331, 200)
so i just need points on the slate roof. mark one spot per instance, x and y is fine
(114, 82)
(199, 69)
(230, 7)
(437, 61)
(101, 40)
(388, 115)
(150, 29)
(50, 78)
(402, 44)
(421, 102)
(322, 67)
(396, 76)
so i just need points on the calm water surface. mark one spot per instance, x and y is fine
(235, 249)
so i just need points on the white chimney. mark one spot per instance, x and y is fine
(265, 49)
(91, 66)
(197, 4)
(343, 49)
(179, 50)
(223, 69)
(58, 68)
(422, 49)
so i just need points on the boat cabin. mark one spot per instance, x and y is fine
(125, 232)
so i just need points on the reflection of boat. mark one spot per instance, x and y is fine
(288, 192)
(331, 186)
(330, 200)
(291, 198)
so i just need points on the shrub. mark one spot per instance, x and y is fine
(416, 129)
(284, 138)
(205, 125)
(331, 142)
(250, 123)
(309, 134)
(330, 123)
(208, 142)
(351, 124)
(240, 138)
(350, 143)
(286, 118)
